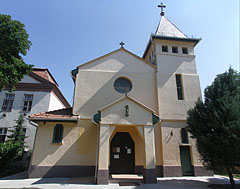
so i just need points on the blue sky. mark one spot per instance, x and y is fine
(67, 33)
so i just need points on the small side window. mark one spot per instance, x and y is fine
(184, 136)
(185, 50)
(179, 87)
(164, 48)
(174, 50)
(58, 134)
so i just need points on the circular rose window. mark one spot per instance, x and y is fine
(122, 85)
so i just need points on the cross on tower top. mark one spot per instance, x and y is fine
(122, 44)
(162, 6)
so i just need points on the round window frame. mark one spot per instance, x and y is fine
(119, 91)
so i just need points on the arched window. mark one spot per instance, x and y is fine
(184, 136)
(58, 133)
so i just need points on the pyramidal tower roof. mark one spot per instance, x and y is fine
(166, 28)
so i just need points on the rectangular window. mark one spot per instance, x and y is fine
(174, 50)
(8, 102)
(164, 48)
(185, 50)
(27, 106)
(3, 134)
(179, 86)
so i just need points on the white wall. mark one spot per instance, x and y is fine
(40, 104)
(55, 103)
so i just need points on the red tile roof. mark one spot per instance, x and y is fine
(62, 114)
(45, 74)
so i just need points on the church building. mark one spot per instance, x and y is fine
(128, 115)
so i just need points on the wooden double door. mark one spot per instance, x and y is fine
(122, 154)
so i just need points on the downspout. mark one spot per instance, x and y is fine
(97, 151)
(96, 120)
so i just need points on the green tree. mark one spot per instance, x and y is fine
(9, 152)
(14, 44)
(215, 124)
(17, 133)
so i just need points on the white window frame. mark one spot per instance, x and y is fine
(8, 102)
(27, 102)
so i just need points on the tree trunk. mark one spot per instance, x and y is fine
(232, 182)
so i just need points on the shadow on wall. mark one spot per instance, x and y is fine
(66, 160)
(105, 92)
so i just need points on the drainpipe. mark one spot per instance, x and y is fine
(97, 151)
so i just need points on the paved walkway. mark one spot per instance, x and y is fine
(20, 181)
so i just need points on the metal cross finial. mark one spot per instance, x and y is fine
(162, 6)
(122, 44)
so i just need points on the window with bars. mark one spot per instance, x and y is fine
(3, 134)
(27, 106)
(8, 102)
(179, 87)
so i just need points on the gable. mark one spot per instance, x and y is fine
(28, 79)
(127, 111)
(119, 60)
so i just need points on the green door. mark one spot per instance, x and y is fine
(187, 168)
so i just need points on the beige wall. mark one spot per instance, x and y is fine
(78, 146)
(171, 144)
(115, 114)
(94, 83)
(169, 64)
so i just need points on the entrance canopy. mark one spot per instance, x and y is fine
(126, 111)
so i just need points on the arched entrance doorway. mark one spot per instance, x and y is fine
(122, 153)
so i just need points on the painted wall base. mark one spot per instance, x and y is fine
(103, 176)
(202, 171)
(159, 170)
(61, 171)
(172, 171)
(150, 176)
(138, 169)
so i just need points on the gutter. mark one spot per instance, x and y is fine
(73, 74)
(33, 123)
(52, 119)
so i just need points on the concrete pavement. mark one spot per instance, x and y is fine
(21, 181)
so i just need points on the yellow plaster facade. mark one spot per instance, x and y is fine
(150, 114)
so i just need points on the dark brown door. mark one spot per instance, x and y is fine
(122, 153)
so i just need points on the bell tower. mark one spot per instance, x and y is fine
(177, 79)
(178, 88)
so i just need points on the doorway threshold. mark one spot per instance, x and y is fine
(126, 179)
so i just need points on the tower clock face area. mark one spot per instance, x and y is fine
(123, 85)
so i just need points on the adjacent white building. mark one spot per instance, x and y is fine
(37, 92)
